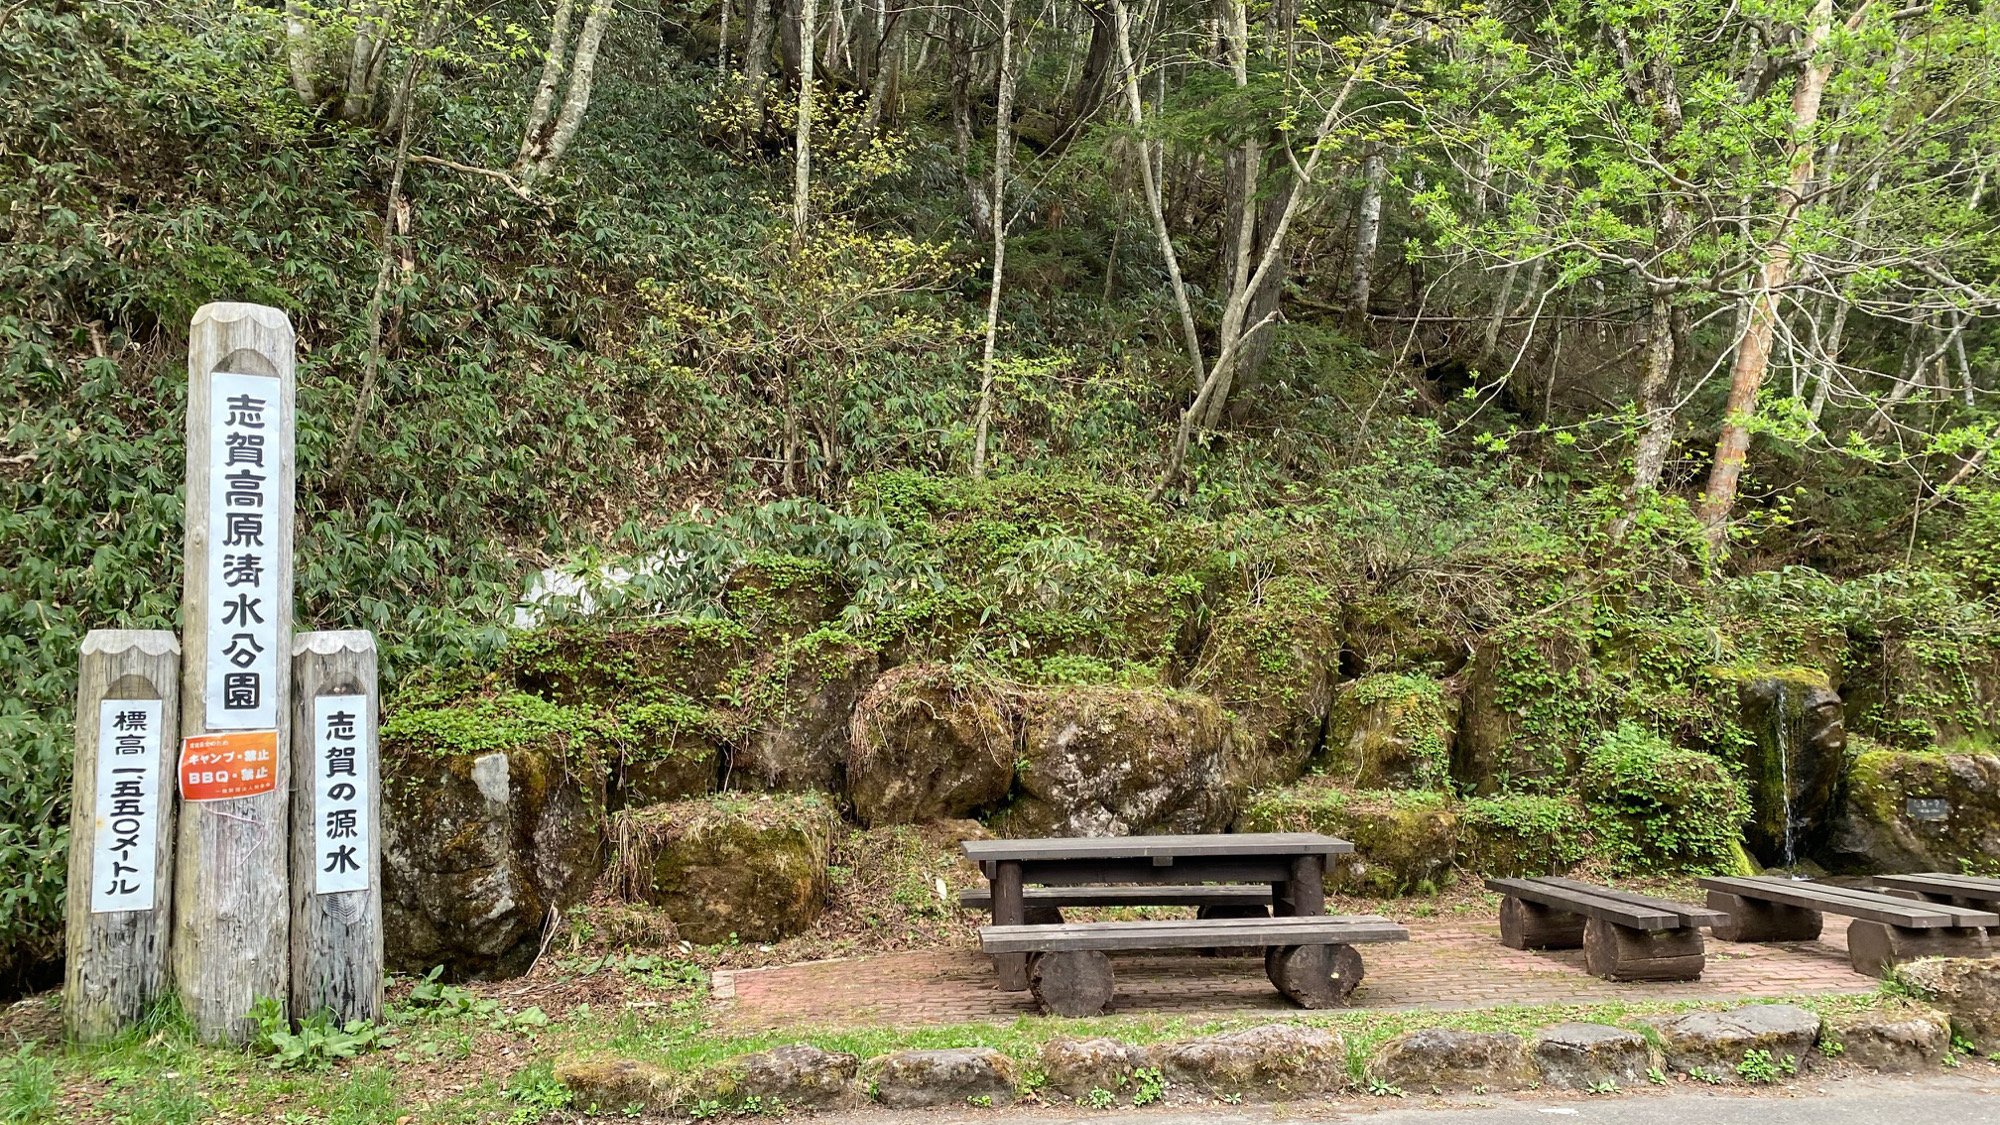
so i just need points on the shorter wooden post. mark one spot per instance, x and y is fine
(121, 855)
(1531, 925)
(336, 827)
(1308, 885)
(1756, 920)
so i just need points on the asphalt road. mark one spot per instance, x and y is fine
(1948, 1099)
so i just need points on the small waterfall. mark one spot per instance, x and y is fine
(1782, 722)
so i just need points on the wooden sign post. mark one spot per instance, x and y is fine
(231, 934)
(121, 836)
(337, 837)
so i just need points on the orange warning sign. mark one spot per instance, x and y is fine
(216, 767)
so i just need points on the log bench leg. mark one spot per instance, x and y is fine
(1314, 976)
(1071, 982)
(1753, 919)
(1621, 953)
(1874, 948)
(1530, 925)
(1042, 914)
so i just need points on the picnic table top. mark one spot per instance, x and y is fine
(1143, 847)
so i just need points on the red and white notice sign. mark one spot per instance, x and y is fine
(239, 763)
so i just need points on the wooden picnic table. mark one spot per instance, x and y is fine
(1292, 864)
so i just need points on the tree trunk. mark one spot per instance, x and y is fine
(959, 33)
(300, 54)
(802, 135)
(363, 70)
(1003, 132)
(888, 60)
(757, 63)
(545, 90)
(1367, 235)
(576, 100)
(1753, 354)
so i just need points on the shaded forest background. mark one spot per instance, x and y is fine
(1453, 323)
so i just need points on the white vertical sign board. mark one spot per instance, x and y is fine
(245, 450)
(125, 845)
(342, 777)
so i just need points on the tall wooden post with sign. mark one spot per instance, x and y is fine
(121, 842)
(336, 838)
(231, 939)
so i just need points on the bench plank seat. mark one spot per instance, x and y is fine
(1191, 933)
(1590, 902)
(1689, 913)
(1867, 905)
(1972, 888)
(1624, 936)
(1225, 894)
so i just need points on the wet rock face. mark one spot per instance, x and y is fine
(960, 1076)
(1967, 990)
(1717, 1041)
(754, 867)
(1119, 762)
(1798, 748)
(1582, 1056)
(1078, 1066)
(476, 849)
(1917, 812)
(1452, 1060)
(1267, 1062)
(797, 1076)
(922, 747)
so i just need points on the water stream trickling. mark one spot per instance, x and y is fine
(1782, 721)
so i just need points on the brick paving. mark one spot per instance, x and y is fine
(1445, 964)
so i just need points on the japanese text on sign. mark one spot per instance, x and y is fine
(246, 520)
(343, 784)
(217, 767)
(128, 805)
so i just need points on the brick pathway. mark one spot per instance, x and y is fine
(1452, 964)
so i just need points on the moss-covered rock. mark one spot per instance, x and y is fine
(1522, 834)
(752, 867)
(493, 812)
(928, 744)
(1531, 706)
(1403, 840)
(1658, 807)
(1390, 731)
(609, 665)
(1108, 761)
(1794, 750)
(782, 597)
(1272, 660)
(1932, 688)
(797, 710)
(667, 750)
(1908, 812)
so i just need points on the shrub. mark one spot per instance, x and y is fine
(1657, 807)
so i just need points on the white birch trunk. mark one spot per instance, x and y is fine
(802, 136)
(576, 100)
(545, 88)
(1003, 131)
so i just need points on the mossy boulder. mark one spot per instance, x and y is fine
(1390, 731)
(797, 711)
(1403, 840)
(750, 866)
(667, 750)
(1272, 660)
(612, 664)
(1907, 812)
(493, 812)
(928, 744)
(782, 597)
(1110, 761)
(1530, 707)
(1386, 633)
(1936, 688)
(1795, 751)
(1660, 807)
(1516, 835)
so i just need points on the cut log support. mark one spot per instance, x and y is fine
(121, 854)
(1314, 976)
(1233, 910)
(1874, 948)
(1530, 925)
(1622, 953)
(1759, 920)
(1071, 982)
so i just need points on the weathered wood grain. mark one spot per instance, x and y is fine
(116, 964)
(336, 938)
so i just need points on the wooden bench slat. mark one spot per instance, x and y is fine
(1689, 913)
(1589, 905)
(1866, 905)
(1258, 844)
(1191, 934)
(1965, 886)
(1137, 894)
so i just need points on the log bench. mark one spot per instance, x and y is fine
(1310, 959)
(1975, 891)
(1625, 936)
(1885, 930)
(1044, 904)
